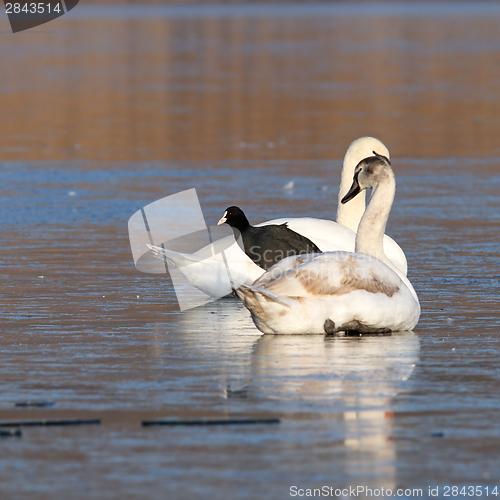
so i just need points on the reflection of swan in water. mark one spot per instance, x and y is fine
(334, 395)
(341, 372)
(337, 372)
(344, 388)
(223, 332)
(220, 320)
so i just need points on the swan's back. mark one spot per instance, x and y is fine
(330, 274)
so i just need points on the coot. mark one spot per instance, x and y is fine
(266, 245)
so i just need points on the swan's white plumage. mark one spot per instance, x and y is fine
(206, 269)
(338, 291)
(209, 273)
(341, 286)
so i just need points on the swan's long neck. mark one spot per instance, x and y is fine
(350, 214)
(370, 235)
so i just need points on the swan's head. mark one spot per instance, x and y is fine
(367, 174)
(362, 148)
(234, 217)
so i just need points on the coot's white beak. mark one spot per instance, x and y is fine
(223, 219)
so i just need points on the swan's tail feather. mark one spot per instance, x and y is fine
(263, 303)
(174, 258)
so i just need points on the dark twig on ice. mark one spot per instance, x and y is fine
(212, 421)
(50, 423)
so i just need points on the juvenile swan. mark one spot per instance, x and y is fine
(208, 273)
(340, 291)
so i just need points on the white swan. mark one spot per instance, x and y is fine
(339, 291)
(206, 268)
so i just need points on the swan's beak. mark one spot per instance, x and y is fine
(223, 219)
(355, 190)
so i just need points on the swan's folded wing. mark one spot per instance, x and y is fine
(333, 273)
(286, 265)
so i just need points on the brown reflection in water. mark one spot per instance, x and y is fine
(199, 88)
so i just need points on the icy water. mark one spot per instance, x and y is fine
(110, 108)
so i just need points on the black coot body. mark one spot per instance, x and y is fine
(266, 245)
